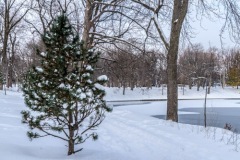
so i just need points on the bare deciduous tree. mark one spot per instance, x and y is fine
(174, 13)
(12, 13)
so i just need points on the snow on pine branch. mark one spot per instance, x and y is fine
(102, 78)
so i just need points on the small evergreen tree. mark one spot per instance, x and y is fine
(62, 99)
(233, 76)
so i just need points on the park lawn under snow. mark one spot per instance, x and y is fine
(128, 133)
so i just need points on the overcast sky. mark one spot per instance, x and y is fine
(208, 34)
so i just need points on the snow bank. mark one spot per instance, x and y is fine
(115, 94)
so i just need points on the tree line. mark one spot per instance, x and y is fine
(127, 68)
(196, 65)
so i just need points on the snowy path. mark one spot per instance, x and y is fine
(144, 138)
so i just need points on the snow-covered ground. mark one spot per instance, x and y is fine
(128, 133)
(115, 94)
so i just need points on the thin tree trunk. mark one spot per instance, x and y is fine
(209, 84)
(124, 87)
(87, 23)
(5, 43)
(198, 84)
(9, 75)
(71, 144)
(2, 79)
(11, 61)
(223, 79)
(6, 76)
(132, 84)
(205, 108)
(71, 134)
(4, 50)
(190, 84)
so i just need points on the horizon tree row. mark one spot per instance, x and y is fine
(196, 67)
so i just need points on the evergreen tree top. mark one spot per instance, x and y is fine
(62, 31)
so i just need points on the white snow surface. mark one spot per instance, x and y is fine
(102, 78)
(39, 69)
(89, 68)
(128, 133)
(43, 54)
(115, 94)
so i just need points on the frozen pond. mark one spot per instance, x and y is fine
(216, 117)
(219, 111)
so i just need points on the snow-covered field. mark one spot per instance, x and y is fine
(128, 133)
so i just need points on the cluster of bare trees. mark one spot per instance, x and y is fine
(108, 25)
(127, 68)
(12, 13)
(196, 67)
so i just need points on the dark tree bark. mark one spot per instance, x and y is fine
(71, 134)
(87, 23)
(179, 13)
